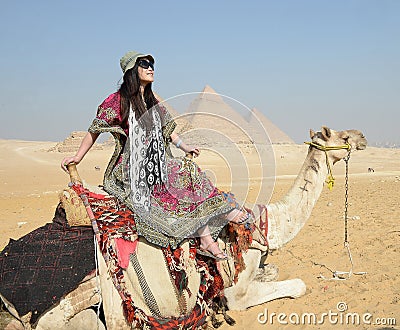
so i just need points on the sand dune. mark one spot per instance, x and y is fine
(31, 180)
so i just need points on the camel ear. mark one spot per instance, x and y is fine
(326, 132)
(312, 133)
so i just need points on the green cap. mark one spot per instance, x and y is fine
(129, 59)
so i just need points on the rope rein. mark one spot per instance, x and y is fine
(339, 275)
(346, 197)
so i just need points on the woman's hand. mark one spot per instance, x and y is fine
(195, 151)
(177, 141)
(68, 160)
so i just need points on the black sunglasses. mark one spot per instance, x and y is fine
(145, 64)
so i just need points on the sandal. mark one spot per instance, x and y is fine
(244, 218)
(206, 252)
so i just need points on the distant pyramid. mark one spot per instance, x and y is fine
(276, 135)
(211, 95)
(72, 143)
(214, 121)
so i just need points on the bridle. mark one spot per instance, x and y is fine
(330, 179)
(339, 275)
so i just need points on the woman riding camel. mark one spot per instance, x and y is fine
(172, 199)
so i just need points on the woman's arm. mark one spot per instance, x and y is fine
(177, 141)
(86, 144)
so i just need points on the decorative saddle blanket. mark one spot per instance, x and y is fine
(40, 268)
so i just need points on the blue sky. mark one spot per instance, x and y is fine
(302, 63)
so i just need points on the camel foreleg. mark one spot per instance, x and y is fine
(259, 293)
(249, 292)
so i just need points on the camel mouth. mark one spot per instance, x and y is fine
(361, 146)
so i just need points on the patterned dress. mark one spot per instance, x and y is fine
(179, 205)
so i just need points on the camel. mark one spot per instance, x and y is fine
(255, 285)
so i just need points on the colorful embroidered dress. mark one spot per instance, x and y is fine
(169, 209)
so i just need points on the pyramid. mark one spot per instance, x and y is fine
(276, 135)
(215, 121)
(211, 95)
(72, 142)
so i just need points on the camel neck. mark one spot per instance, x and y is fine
(288, 216)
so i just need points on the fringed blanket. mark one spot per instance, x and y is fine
(37, 270)
(115, 221)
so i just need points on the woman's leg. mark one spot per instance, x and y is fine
(207, 243)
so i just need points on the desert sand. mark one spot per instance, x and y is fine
(31, 180)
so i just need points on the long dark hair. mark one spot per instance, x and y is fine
(130, 94)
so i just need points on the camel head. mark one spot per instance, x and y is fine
(330, 138)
